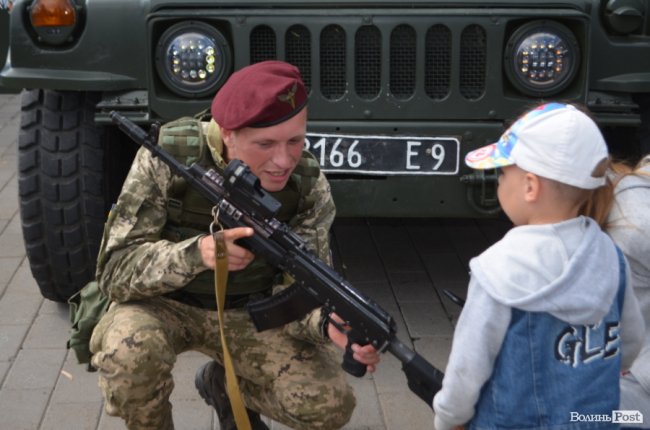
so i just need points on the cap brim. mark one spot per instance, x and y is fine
(487, 157)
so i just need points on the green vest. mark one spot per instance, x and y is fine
(189, 214)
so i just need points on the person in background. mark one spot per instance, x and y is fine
(550, 318)
(623, 210)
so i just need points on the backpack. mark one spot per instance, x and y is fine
(87, 306)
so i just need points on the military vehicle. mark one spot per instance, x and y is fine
(400, 91)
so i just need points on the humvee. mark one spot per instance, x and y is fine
(399, 91)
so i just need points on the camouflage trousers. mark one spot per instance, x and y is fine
(135, 345)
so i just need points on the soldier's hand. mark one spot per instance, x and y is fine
(238, 257)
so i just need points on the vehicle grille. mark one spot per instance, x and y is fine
(372, 47)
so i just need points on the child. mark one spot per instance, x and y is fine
(550, 316)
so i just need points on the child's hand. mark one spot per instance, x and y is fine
(366, 354)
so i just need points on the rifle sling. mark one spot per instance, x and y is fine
(220, 282)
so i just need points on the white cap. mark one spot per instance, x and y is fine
(556, 141)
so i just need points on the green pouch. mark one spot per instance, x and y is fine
(87, 306)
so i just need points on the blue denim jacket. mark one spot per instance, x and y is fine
(552, 375)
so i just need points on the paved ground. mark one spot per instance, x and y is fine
(401, 264)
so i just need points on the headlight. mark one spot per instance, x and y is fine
(193, 59)
(542, 58)
(53, 20)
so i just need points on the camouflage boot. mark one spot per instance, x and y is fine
(210, 381)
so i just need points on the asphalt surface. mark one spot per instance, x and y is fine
(402, 264)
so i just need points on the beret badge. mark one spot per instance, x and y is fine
(290, 96)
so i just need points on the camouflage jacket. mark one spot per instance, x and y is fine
(135, 263)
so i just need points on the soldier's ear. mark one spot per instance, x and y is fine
(226, 136)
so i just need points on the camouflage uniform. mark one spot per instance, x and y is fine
(290, 374)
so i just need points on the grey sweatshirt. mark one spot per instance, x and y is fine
(629, 222)
(569, 270)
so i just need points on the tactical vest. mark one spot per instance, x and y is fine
(189, 214)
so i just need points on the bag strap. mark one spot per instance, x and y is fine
(220, 281)
(622, 283)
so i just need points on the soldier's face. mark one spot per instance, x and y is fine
(272, 153)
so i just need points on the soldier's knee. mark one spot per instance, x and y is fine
(319, 405)
(145, 351)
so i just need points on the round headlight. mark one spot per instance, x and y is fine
(193, 59)
(542, 58)
(54, 21)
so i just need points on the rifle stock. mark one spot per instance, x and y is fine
(241, 201)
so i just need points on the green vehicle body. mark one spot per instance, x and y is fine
(431, 72)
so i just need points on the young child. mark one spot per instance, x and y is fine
(550, 317)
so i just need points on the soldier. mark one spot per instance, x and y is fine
(156, 264)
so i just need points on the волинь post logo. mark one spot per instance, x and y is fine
(616, 417)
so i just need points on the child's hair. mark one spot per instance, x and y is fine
(601, 201)
(577, 197)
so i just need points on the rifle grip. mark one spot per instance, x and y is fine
(350, 365)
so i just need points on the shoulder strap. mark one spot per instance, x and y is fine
(622, 283)
(184, 139)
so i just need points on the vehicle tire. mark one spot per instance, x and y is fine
(61, 188)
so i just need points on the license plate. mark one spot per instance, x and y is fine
(384, 155)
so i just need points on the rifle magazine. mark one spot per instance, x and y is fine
(290, 304)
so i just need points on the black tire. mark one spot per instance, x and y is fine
(61, 189)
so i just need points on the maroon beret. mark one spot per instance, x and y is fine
(260, 95)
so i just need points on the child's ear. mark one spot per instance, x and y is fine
(532, 186)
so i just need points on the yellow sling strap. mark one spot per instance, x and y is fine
(220, 281)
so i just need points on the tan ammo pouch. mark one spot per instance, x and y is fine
(87, 306)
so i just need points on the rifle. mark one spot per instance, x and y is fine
(241, 201)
